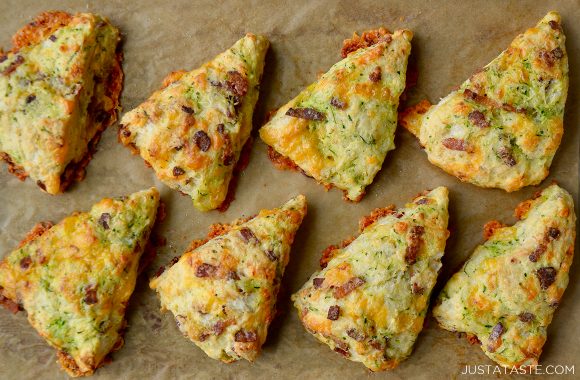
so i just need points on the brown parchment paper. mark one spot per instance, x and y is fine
(452, 39)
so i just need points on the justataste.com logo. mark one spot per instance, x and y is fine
(488, 369)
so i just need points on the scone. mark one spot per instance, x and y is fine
(223, 291)
(59, 89)
(370, 300)
(505, 295)
(192, 131)
(74, 279)
(340, 128)
(502, 127)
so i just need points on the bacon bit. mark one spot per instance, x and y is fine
(25, 262)
(317, 282)
(526, 317)
(495, 337)
(227, 152)
(249, 236)
(271, 255)
(187, 109)
(30, 98)
(41, 185)
(414, 240)
(554, 25)
(375, 215)
(557, 53)
(306, 113)
(457, 144)
(14, 65)
(330, 251)
(52, 37)
(90, 295)
(344, 353)
(478, 118)
(3, 57)
(236, 83)
(202, 140)
(506, 154)
(368, 38)
(205, 270)
(337, 103)
(123, 131)
(490, 228)
(244, 336)
(333, 313)
(553, 233)
(232, 275)
(38, 230)
(355, 334)
(218, 328)
(417, 289)
(281, 162)
(422, 201)
(538, 252)
(346, 288)
(546, 276)
(10, 305)
(104, 220)
(177, 171)
(376, 75)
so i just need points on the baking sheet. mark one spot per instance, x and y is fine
(452, 39)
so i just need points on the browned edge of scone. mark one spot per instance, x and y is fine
(43, 26)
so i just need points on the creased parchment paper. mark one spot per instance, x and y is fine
(452, 40)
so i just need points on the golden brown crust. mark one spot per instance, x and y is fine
(43, 25)
(490, 227)
(172, 77)
(38, 230)
(14, 169)
(375, 215)
(409, 117)
(281, 162)
(368, 38)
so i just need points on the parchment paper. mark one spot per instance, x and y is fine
(452, 40)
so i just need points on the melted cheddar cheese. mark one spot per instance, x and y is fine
(340, 128)
(502, 127)
(75, 278)
(508, 290)
(192, 131)
(223, 293)
(59, 89)
(370, 301)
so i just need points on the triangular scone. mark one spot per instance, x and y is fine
(502, 127)
(59, 89)
(370, 300)
(506, 293)
(340, 128)
(192, 130)
(74, 278)
(223, 293)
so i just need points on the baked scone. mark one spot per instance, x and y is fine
(223, 291)
(340, 128)
(74, 278)
(506, 293)
(502, 127)
(191, 132)
(370, 300)
(59, 89)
